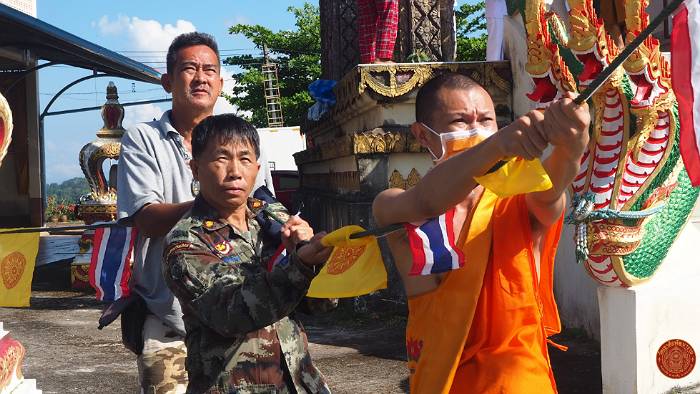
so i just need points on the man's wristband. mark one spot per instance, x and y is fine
(301, 244)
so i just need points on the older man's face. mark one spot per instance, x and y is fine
(226, 173)
(195, 82)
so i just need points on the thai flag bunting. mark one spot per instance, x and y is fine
(110, 264)
(685, 74)
(280, 257)
(433, 245)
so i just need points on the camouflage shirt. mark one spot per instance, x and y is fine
(240, 335)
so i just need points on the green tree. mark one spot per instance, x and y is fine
(471, 32)
(298, 56)
(69, 190)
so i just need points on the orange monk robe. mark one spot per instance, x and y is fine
(484, 329)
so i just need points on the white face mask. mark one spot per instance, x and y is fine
(454, 142)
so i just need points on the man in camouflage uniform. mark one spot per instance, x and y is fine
(241, 337)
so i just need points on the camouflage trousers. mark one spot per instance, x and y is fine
(162, 363)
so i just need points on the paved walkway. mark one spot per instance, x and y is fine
(67, 354)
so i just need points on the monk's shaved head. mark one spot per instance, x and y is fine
(428, 101)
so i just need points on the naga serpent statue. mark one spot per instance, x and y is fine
(5, 127)
(632, 195)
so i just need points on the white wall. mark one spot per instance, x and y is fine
(574, 289)
(280, 144)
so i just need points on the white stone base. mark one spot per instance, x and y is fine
(21, 386)
(28, 386)
(635, 322)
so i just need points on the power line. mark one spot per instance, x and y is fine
(121, 93)
(251, 50)
(220, 50)
(88, 93)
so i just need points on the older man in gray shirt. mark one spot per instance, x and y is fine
(155, 189)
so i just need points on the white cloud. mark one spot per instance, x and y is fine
(141, 113)
(144, 34)
(59, 171)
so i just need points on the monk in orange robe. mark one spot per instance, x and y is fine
(483, 328)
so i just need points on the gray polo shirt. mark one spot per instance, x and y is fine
(153, 168)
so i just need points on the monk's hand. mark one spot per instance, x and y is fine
(525, 137)
(314, 253)
(566, 125)
(294, 231)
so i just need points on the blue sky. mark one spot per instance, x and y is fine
(141, 30)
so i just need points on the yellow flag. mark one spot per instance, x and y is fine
(354, 268)
(17, 258)
(517, 176)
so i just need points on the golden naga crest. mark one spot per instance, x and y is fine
(544, 63)
(648, 70)
(590, 43)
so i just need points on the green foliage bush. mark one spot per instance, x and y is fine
(471, 32)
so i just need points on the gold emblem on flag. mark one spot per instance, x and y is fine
(12, 268)
(343, 258)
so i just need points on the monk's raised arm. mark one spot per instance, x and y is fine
(449, 183)
(566, 127)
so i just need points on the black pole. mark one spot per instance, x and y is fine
(84, 109)
(61, 228)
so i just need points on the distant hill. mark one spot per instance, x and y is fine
(69, 190)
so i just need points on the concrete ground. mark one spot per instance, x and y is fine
(358, 352)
